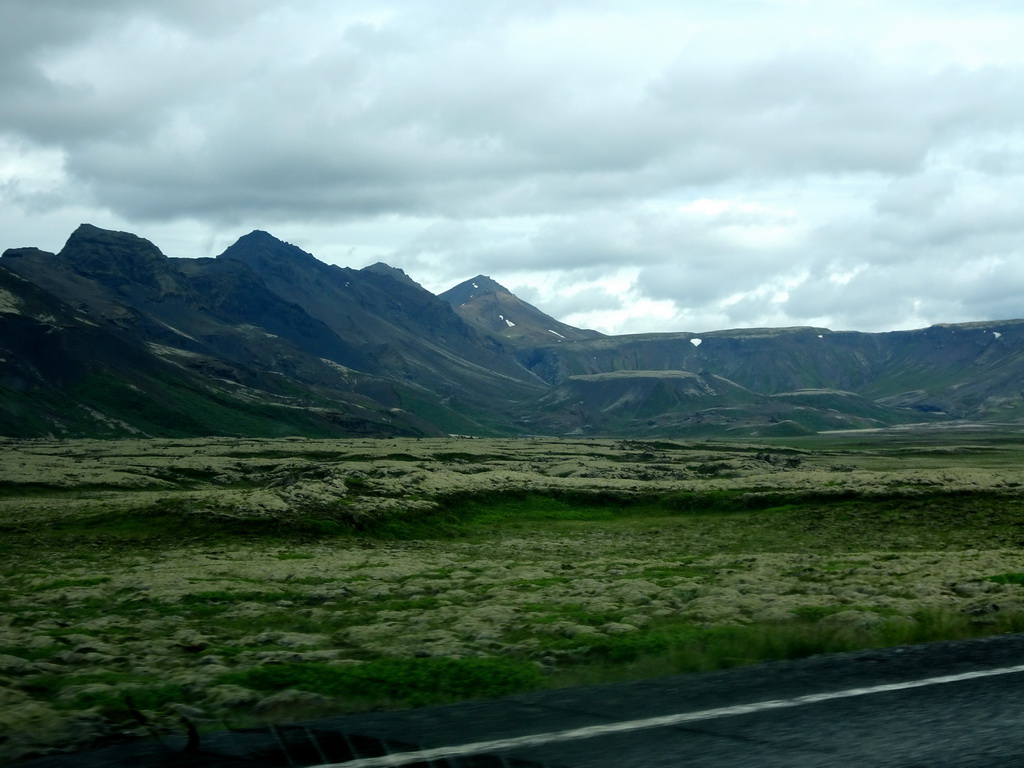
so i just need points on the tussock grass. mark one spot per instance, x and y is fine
(223, 574)
(1007, 578)
(682, 648)
(398, 682)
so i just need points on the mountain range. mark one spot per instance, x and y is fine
(110, 337)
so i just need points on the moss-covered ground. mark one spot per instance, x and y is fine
(234, 581)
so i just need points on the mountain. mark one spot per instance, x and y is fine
(402, 332)
(814, 378)
(381, 268)
(63, 373)
(356, 352)
(111, 337)
(493, 309)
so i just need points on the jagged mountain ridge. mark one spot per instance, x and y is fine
(252, 317)
(110, 336)
(62, 373)
(398, 323)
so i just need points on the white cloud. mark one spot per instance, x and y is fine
(682, 166)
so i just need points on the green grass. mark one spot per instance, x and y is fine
(665, 648)
(674, 648)
(117, 705)
(398, 682)
(295, 556)
(1007, 578)
(146, 692)
(65, 583)
(124, 565)
(897, 519)
(35, 653)
(574, 613)
(166, 407)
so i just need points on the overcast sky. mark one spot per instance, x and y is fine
(629, 167)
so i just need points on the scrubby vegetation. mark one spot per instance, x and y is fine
(229, 581)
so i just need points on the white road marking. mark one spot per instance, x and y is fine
(573, 734)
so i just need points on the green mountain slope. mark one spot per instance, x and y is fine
(494, 310)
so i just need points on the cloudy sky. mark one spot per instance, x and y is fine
(630, 167)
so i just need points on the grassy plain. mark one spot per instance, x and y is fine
(229, 581)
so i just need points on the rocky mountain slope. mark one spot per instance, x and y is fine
(110, 336)
(264, 327)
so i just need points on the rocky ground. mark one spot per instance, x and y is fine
(93, 618)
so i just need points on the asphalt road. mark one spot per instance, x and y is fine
(943, 704)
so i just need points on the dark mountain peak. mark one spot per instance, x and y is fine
(27, 252)
(262, 249)
(264, 239)
(260, 234)
(116, 258)
(106, 336)
(495, 310)
(380, 268)
(90, 245)
(481, 285)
